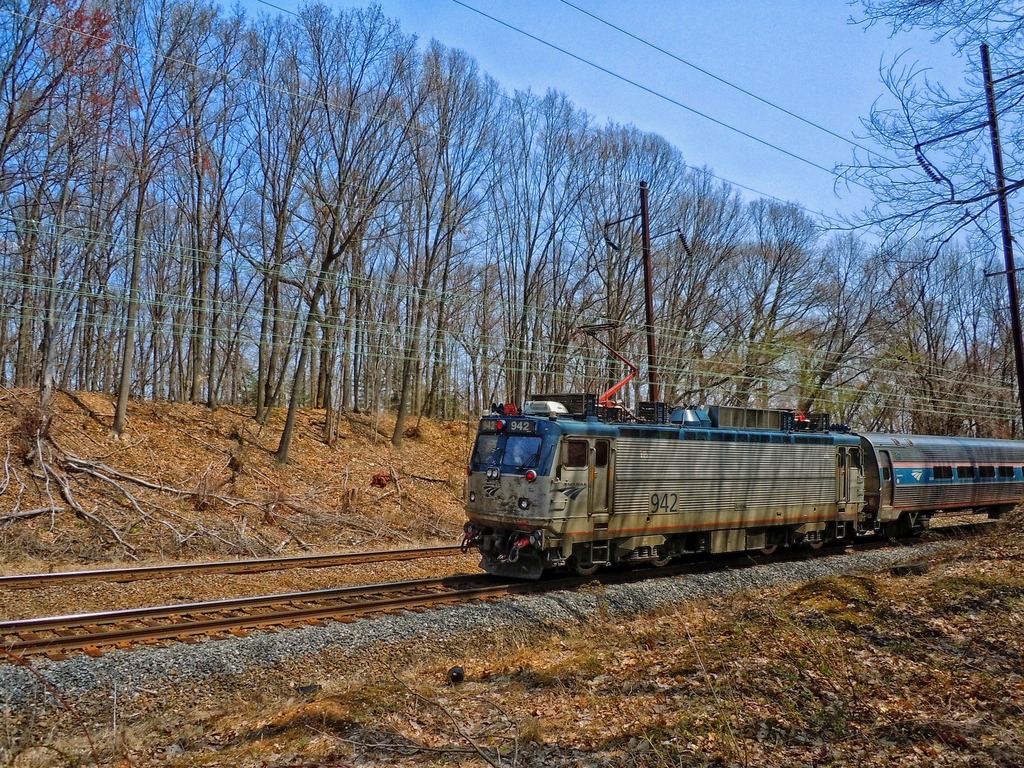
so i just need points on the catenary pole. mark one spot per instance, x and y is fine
(645, 235)
(1004, 218)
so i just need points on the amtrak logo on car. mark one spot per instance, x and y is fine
(917, 474)
(573, 491)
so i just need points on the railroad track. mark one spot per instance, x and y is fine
(93, 633)
(122, 575)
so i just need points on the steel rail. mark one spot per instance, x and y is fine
(31, 580)
(57, 634)
(90, 632)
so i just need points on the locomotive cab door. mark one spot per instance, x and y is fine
(849, 480)
(600, 468)
(585, 468)
(574, 472)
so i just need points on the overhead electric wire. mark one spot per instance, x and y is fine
(720, 365)
(652, 91)
(755, 191)
(833, 223)
(720, 79)
(377, 284)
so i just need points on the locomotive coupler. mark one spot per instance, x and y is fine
(522, 541)
(471, 537)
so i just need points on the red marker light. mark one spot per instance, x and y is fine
(531, 475)
(499, 425)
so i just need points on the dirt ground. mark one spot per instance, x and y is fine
(880, 669)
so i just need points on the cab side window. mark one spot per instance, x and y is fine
(575, 454)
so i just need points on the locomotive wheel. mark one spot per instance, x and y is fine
(891, 531)
(816, 543)
(769, 550)
(581, 569)
(661, 558)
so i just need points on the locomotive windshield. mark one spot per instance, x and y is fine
(518, 451)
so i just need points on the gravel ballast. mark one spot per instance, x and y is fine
(220, 664)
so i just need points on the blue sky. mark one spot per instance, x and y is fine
(804, 55)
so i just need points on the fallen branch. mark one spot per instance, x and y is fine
(28, 514)
(7, 471)
(84, 465)
(91, 468)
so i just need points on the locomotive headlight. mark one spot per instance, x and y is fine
(492, 472)
(472, 495)
(524, 503)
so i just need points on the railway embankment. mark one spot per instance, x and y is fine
(186, 484)
(848, 659)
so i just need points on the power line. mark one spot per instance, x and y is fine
(653, 92)
(832, 223)
(829, 220)
(718, 78)
(760, 361)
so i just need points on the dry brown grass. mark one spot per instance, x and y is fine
(871, 670)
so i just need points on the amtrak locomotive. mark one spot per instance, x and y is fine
(569, 483)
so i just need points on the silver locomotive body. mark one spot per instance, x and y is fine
(547, 489)
(585, 493)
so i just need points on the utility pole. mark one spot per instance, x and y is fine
(1004, 218)
(645, 242)
(645, 239)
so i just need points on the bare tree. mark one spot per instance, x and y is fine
(209, 106)
(43, 46)
(360, 74)
(79, 107)
(852, 313)
(450, 160)
(932, 176)
(155, 36)
(541, 177)
(694, 293)
(773, 280)
(280, 112)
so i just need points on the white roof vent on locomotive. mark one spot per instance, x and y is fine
(549, 408)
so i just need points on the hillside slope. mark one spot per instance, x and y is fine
(185, 482)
